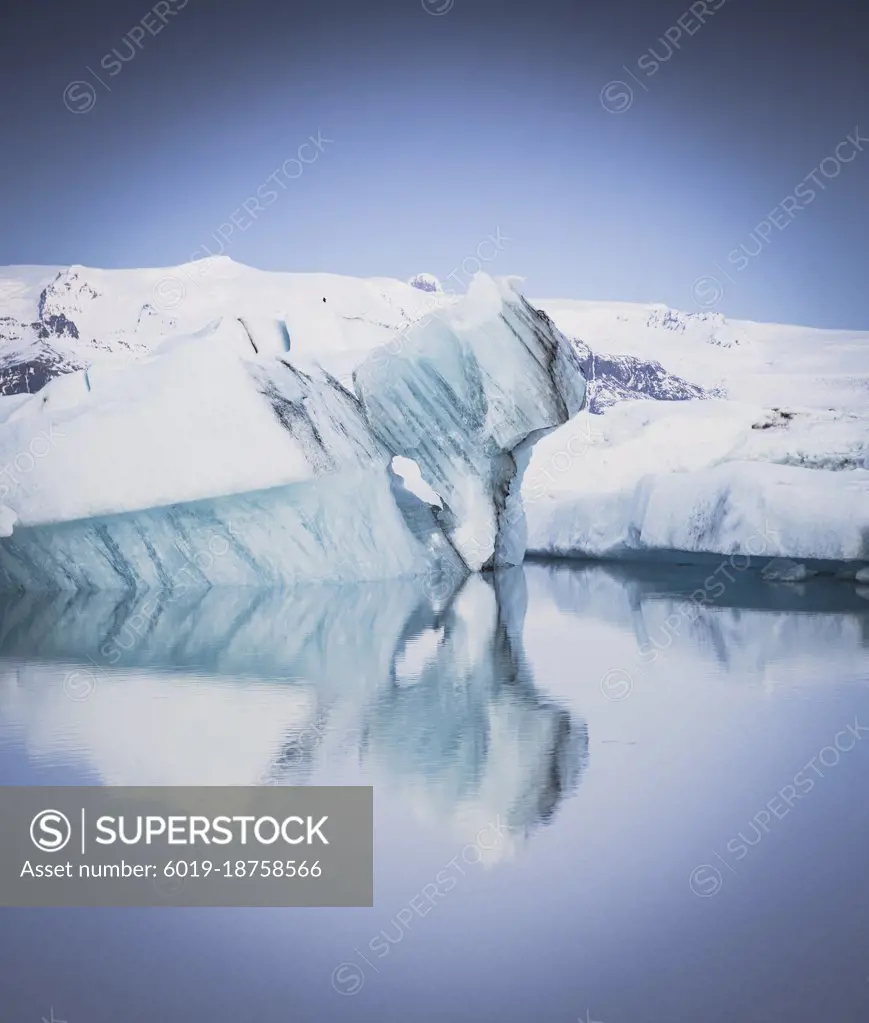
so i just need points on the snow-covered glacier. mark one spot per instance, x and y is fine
(230, 455)
(773, 463)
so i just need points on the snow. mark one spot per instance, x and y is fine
(184, 424)
(107, 314)
(767, 364)
(20, 288)
(426, 282)
(698, 477)
(775, 467)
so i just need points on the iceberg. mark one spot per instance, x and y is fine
(465, 395)
(771, 463)
(231, 456)
(312, 427)
(709, 477)
(203, 464)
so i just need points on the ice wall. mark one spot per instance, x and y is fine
(464, 394)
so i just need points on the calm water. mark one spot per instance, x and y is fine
(644, 763)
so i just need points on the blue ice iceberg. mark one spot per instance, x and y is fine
(214, 460)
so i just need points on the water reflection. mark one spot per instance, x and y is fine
(429, 695)
(743, 626)
(460, 707)
(461, 724)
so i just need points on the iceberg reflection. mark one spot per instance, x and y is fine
(425, 692)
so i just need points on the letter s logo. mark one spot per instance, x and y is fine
(50, 830)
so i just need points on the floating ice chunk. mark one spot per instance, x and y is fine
(341, 527)
(206, 464)
(461, 396)
(783, 570)
(8, 518)
(751, 509)
(197, 420)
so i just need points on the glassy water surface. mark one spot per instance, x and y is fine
(594, 800)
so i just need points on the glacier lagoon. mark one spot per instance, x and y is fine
(566, 827)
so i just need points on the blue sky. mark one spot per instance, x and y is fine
(445, 129)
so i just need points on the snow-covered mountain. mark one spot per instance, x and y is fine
(766, 363)
(55, 320)
(74, 316)
(615, 378)
(425, 282)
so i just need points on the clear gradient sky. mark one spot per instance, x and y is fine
(450, 120)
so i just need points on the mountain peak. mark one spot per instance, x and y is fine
(426, 282)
